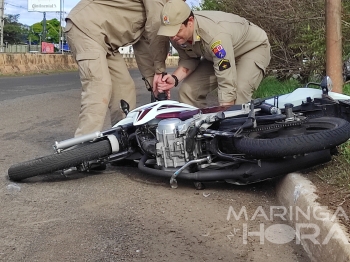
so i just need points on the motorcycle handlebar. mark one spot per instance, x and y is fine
(162, 96)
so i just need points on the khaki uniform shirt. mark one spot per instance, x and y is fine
(117, 23)
(221, 38)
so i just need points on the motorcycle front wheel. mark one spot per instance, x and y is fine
(310, 136)
(59, 161)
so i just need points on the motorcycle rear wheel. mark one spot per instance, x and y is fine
(313, 135)
(56, 162)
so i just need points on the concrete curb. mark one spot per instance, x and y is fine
(331, 243)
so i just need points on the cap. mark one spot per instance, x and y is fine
(174, 13)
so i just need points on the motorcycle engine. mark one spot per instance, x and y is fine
(171, 146)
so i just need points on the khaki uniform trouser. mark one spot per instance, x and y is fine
(195, 88)
(105, 81)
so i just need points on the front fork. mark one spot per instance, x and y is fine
(118, 139)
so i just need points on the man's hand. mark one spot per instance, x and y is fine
(166, 83)
(161, 85)
(156, 79)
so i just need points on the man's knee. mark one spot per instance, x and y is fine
(244, 95)
(185, 94)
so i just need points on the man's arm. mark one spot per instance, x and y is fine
(169, 81)
(185, 67)
(221, 50)
(151, 50)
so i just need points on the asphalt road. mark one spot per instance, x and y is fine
(119, 214)
(20, 86)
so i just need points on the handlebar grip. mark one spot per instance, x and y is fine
(162, 96)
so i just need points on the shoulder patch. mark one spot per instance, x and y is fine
(218, 49)
(224, 64)
(216, 43)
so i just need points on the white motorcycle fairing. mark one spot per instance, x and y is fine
(148, 112)
(299, 95)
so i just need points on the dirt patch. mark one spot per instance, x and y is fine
(333, 185)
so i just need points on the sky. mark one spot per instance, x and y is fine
(20, 7)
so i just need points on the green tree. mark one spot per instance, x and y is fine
(210, 5)
(14, 32)
(52, 31)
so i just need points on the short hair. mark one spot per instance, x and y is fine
(186, 21)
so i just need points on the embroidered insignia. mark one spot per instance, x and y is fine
(216, 43)
(224, 64)
(218, 49)
(166, 20)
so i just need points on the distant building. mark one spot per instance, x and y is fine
(172, 50)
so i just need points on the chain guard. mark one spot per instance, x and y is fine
(275, 126)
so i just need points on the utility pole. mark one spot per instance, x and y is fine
(2, 9)
(60, 33)
(334, 64)
(44, 27)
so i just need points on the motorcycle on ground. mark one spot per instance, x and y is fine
(241, 144)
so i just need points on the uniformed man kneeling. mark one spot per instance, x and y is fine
(217, 50)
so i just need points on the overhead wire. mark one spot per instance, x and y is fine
(19, 6)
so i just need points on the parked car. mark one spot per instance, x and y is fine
(346, 70)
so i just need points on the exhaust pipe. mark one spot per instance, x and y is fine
(248, 173)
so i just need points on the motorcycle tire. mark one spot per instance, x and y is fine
(59, 161)
(314, 135)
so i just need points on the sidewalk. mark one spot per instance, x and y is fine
(322, 237)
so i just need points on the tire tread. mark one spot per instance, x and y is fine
(56, 162)
(294, 145)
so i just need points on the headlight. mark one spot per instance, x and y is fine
(326, 84)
